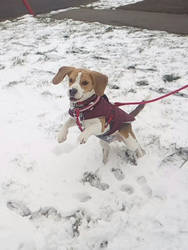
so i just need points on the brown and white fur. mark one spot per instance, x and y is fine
(82, 85)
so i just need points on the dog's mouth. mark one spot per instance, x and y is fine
(73, 99)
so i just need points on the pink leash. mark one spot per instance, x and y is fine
(77, 112)
(28, 7)
(149, 101)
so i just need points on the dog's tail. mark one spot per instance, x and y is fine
(139, 108)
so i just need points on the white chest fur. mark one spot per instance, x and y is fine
(96, 125)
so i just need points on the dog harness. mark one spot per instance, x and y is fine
(99, 106)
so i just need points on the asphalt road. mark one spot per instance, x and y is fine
(14, 8)
(164, 15)
(173, 23)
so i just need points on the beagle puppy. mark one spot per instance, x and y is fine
(92, 112)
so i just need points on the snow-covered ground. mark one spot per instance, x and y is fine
(106, 4)
(102, 4)
(60, 196)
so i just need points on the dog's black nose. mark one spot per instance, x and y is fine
(72, 92)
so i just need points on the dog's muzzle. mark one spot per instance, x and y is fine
(72, 92)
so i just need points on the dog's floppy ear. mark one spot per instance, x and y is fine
(62, 72)
(99, 81)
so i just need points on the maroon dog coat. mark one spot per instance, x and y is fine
(114, 116)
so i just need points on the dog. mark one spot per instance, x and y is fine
(92, 112)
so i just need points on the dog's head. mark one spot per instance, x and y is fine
(82, 83)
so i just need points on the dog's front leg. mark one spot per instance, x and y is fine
(93, 128)
(62, 136)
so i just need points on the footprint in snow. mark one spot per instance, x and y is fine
(141, 180)
(82, 197)
(118, 173)
(94, 180)
(48, 212)
(127, 188)
(18, 207)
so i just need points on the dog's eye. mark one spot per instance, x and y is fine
(84, 83)
(71, 80)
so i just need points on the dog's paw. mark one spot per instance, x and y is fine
(62, 136)
(82, 138)
(131, 157)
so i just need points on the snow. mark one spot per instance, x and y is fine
(60, 196)
(106, 4)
